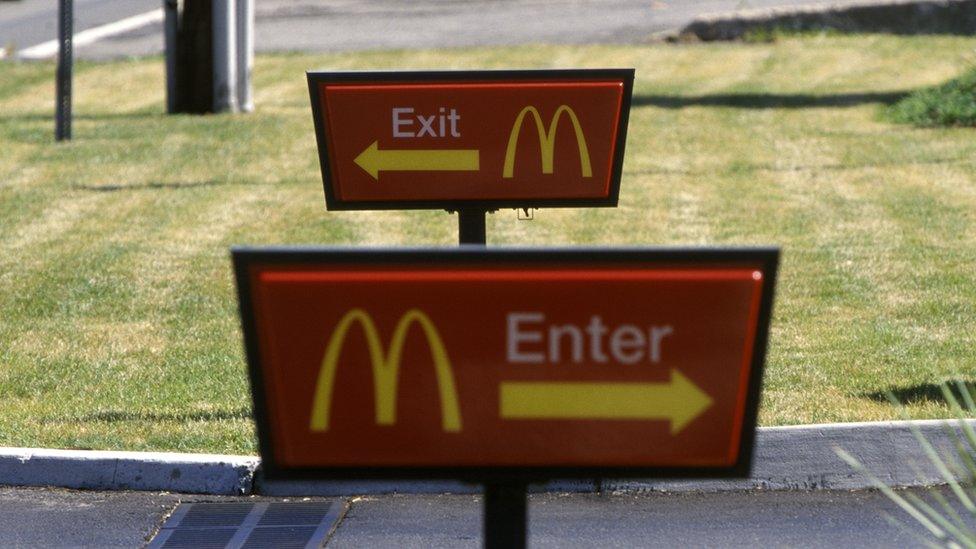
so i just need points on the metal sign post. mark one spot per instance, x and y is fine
(62, 117)
(505, 515)
(505, 505)
(471, 226)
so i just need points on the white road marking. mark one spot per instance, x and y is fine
(50, 49)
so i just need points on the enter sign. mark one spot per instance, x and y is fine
(541, 363)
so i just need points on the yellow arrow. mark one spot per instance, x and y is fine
(678, 400)
(374, 161)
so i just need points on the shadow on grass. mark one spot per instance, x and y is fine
(121, 416)
(767, 100)
(179, 185)
(154, 185)
(927, 393)
(45, 117)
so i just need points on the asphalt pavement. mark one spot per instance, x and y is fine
(740, 519)
(25, 23)
(54, 518)
(351, 25)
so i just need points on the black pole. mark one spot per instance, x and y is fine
(171, 36)
(505, 515)
(471, 226)
(62, 118)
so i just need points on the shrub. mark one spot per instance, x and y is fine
(950, 104)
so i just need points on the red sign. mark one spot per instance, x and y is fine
(443, 140)
(380, 363)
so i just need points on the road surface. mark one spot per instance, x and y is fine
(351, 25)
(25, 23)
(35, 517)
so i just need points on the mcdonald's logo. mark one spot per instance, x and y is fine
(547, 140)
(386, 369)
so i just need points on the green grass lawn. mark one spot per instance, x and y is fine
(118, 319)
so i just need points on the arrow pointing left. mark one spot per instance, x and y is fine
(374, 160)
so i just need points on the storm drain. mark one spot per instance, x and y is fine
(284, 525)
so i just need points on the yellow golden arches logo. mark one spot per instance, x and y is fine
(386, 369)
(547, 140)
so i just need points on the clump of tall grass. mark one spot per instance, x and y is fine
(950, 104)
(943, 520)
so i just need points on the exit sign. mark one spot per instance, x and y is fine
(461, 139)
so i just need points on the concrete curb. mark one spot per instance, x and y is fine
(786, 458)
(885, 16)
(96, 470)
(803, 458)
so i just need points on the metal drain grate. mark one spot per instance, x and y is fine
(281, 525)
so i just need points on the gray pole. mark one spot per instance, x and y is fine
(224, 56)
(172, 10)
(62, 116)
(245, 54)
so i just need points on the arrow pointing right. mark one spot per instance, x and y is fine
(680, 401)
